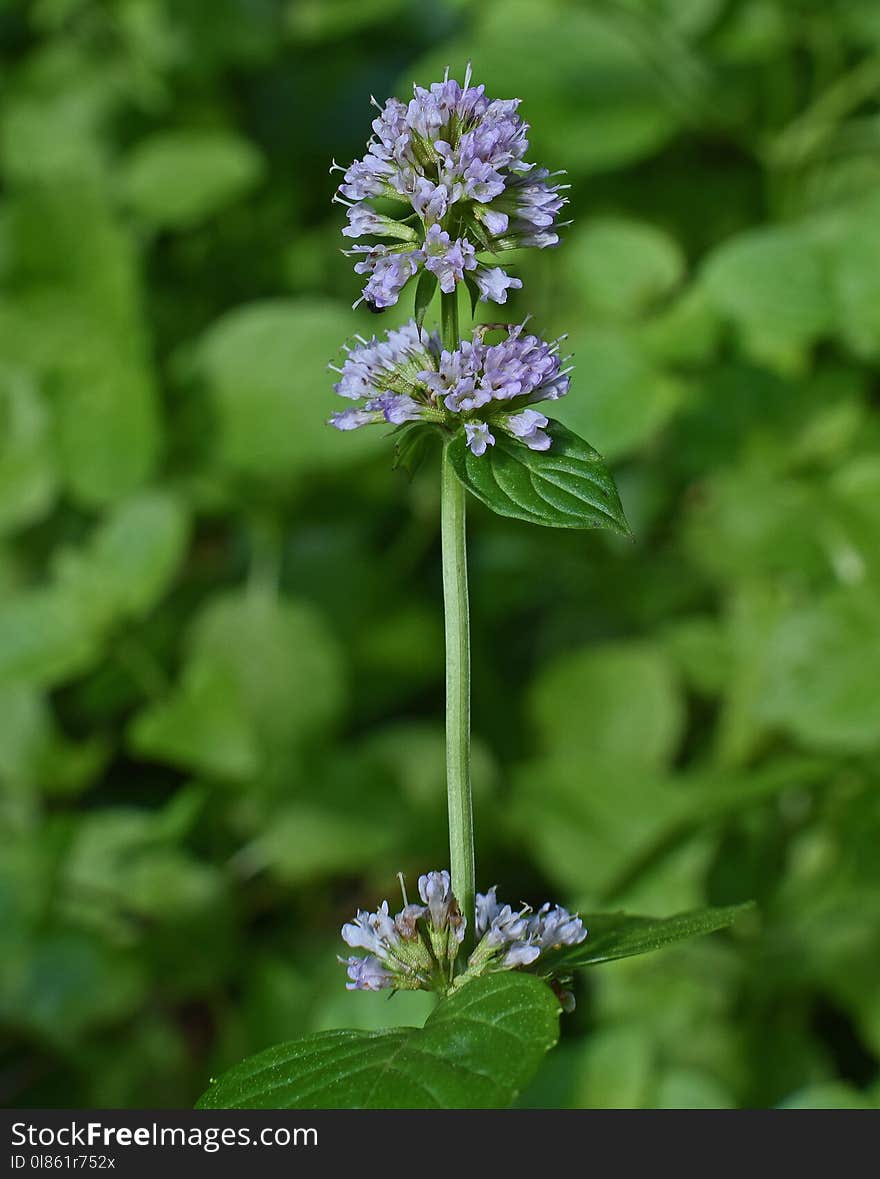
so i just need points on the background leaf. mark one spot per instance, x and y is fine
(175, 179)
(266, 366)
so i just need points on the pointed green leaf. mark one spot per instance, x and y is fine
(567, 486)
(477, 1050)
(476, 232)
(411, 447)
(622, 935)
(425, 289)
(474, 292)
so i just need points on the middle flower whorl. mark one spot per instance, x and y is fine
(408, 377)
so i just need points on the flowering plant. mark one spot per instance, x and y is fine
(445, 188)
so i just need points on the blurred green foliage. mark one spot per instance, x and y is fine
(220, 622)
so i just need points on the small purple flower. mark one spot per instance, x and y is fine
(454, 382)
(364, 221)
(430, 201)
(509, 933)
(366, 974)
(528, 426)
(494, 283)
(555, 927)
(368, 177)
(446, 258)
(482, 182)
(478, 437)
(512, 939)
(389, 272)
(435, 889)
(353, 419)
(495, 221)
(395, 408)
(370, 931)
(414, 950)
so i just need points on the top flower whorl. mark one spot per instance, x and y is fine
(455, 159)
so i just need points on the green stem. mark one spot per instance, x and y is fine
(449, 320)
(458, 665)
(458, 691)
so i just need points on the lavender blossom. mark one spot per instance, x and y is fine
(528, 426)
(510, 939)
(450, 156)
(418, 948)
(414, 950)
(409, 377)
(478, 437)
(366, 974)
(552, 928)
(388, 270)
(494, 283)
(447, 259)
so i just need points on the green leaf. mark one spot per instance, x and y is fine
(820, 680)
(621, 267)
(604, 103)
(852, 241)
(476, 1051)
(306, 842)
(627, 400)
(262, 676)
(27, 476)
(131, 559)
(175, 179)
(567, 486)
(425, 289)
(265, 365)
(774, 283)
(34, 754)
(589, 701)
(474, 292)
(45, 637)
(615, 1068)
(314, 21)
(77, 324)
(411, 447)
(283, 657)
(202, 725)
(827, 1095)
(620, 935)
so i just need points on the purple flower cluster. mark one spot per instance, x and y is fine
(414, 950)
(512, 938)
(455, 160)
(418, 947)
(408, 377)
